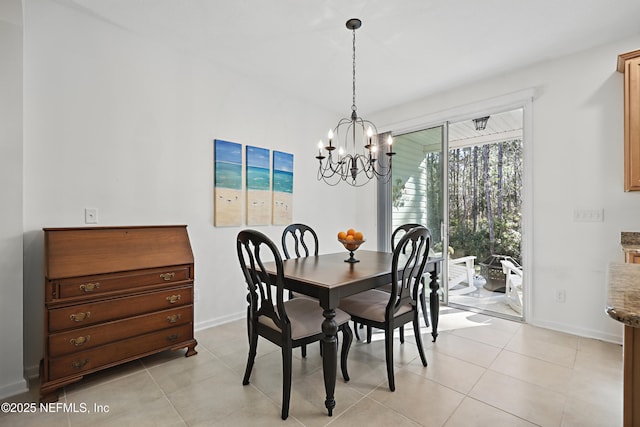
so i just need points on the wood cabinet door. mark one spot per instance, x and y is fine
(632, 125)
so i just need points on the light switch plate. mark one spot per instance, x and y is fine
(588, 215)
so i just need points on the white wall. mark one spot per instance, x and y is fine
(11, 373)
(120, 123)
(577, 163)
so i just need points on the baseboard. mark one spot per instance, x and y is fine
(31, 372)
(20, 386)
(198, 326)
(582, 332)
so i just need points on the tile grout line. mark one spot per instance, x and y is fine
(164, 394)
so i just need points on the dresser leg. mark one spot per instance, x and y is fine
(49, 390)
(191, 349)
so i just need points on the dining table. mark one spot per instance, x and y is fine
(330, 277)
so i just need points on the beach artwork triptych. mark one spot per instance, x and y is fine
(268, 180)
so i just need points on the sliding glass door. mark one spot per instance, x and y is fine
(485, 180)
(417, 186)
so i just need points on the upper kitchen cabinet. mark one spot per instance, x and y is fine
(629, 64)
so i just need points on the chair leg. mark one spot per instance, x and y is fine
(253, 348)
(416, 332)
(388, 350)
(401, 334)
(369, 334)
(303, 350)
(249, 324)
(286, 380)
(347, 339)
(355, 328)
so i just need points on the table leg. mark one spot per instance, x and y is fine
(434, 302)
(329, 357)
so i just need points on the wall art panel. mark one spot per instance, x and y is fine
(258, 181)
(282, 188)
(227, 191)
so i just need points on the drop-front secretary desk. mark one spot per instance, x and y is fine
(112, 295)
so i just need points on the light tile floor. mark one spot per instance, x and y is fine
(482, 371)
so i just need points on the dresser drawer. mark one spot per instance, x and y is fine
(81, 315)
(89, 360)
(93, 336)
(90, 286)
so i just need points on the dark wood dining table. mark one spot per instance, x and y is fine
(329, 278)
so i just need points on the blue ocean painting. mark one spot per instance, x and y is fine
(228, 164)
(258, 173)
(282, 172)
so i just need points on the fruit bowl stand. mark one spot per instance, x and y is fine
(351, 246)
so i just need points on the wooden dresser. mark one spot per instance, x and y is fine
(112, 295)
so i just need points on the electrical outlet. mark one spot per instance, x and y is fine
(90, 216)
(561, 295)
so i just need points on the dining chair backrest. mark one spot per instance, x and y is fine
(407, 267)
(303, 237)
(253, 249)
(400, 231)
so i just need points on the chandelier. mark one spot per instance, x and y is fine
(360, 155)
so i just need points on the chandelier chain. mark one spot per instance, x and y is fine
(353, 106)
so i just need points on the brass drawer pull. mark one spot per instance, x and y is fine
(173, 299)
(80, 340)
(167, 276)
(78, 364)
(172, 337)
(80, 316)
(89, 287)
(174, 318)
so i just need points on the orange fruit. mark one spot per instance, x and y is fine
(358, 235)
(351, 232)
(342, 235)
(349, 237)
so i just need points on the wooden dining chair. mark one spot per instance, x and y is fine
(303, 241)
(287, 324)
(397, 234)
(302, 237)
(399, 306)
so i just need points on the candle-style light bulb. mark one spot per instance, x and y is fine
(330, 136)
(320, 145)
(389, 142)
(374, 150)
(369, 134)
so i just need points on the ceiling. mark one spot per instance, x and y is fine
(405, 50)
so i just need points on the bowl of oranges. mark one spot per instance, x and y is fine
(351, 240)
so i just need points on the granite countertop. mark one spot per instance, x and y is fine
(630, 241)
(623, 293)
